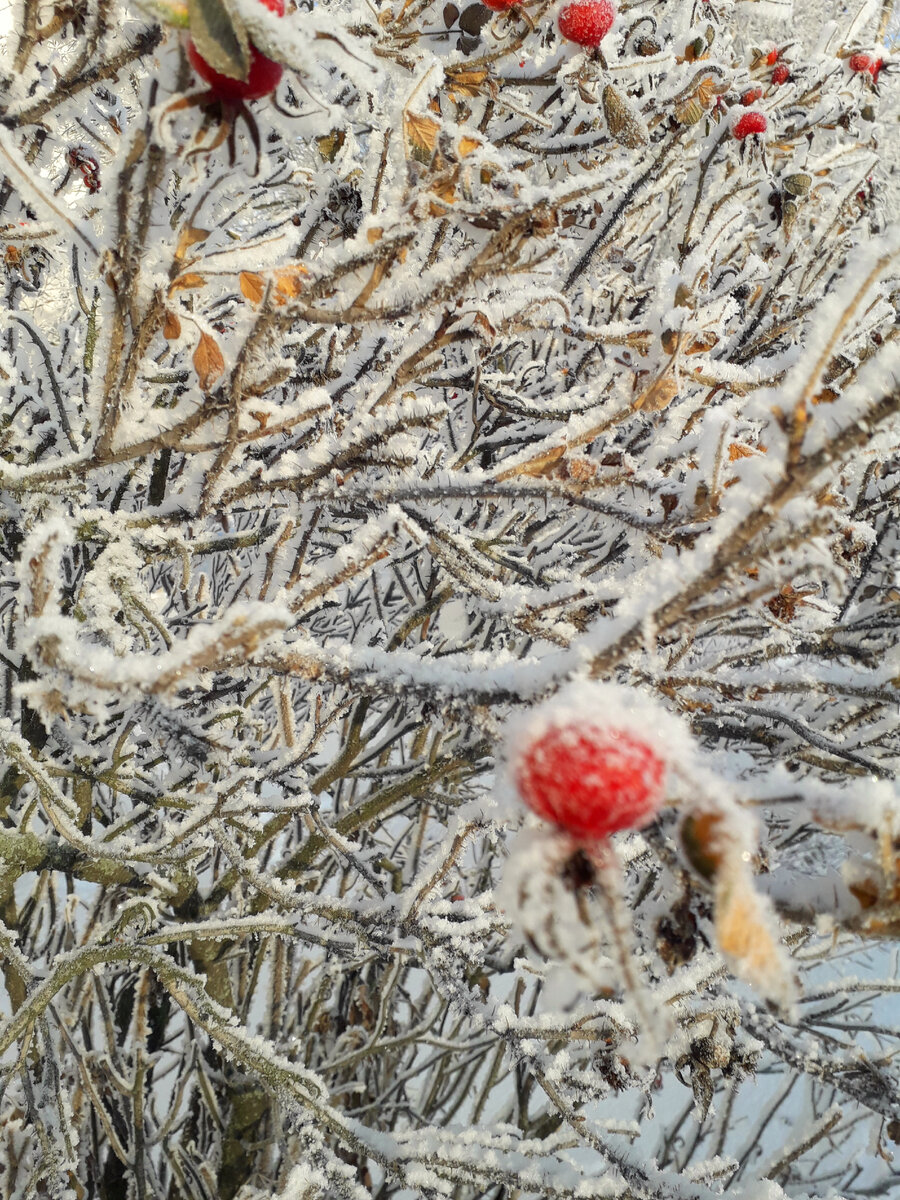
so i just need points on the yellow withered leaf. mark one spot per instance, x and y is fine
(466, 83)
(289, 282)
(189, 280)
(253, 286)
(658, 395)
(208, 362)
(689, 111)
(738, 450)
(189, 236)
(330, 143)
(746, 934)
(700, 343)
(467, 145)
(421, 134)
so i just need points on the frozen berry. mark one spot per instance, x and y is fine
(751, 96)
(263, 76)
(587, 22)
(500, 5)
(589, 780)
(772, 57)
(861, 63)
(750, 122)
(781, 74)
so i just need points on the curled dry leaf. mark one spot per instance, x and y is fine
(172, 326)
(208, 362)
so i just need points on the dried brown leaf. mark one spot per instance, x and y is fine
(189, 236)
(172, 326)
(189, 280)
(253, 286)
(208, 362)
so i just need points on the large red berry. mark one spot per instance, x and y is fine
(781, 74)
(587, 22)
(751, 122)
(262, 78)
(588, 780)
(860, 62)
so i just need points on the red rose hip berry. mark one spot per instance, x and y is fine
(590, 781)
(860, 63)
(751, 96)
(263, 76)
(749, 123)
(781, 74)
(500, 5)
(587, 22)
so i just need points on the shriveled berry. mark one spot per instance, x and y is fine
(751, 96)
(587, 22)
(263, 76)
(749, 123)
(781, 74)
(591, 781)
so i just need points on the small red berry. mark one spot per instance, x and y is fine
(587, 22)
(861, 63)
(772, 57)
(262, 78)
(500, 5)
(751, 122)
(781, 74)
(590, 781)
(751, 96)
(876, 68)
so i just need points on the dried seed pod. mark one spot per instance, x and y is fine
(624, 121)
(797, 184)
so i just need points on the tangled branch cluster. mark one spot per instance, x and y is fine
(509, 363)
